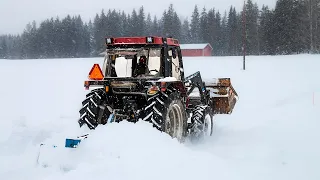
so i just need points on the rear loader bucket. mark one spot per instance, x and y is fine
(222, 94)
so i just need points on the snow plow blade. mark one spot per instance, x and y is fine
(223, 95)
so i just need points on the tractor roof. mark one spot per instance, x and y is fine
(146, 40)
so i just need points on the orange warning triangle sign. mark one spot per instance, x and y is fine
(96, 73)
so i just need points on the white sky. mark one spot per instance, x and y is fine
(15, 14)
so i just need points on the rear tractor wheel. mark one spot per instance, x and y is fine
(169, 115)
(94, 111)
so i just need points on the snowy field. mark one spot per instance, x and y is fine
(273, 132)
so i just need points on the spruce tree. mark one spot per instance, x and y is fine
(252, 42)
(3, 48)
(195, 26)
(148, 28)
(185, 32)
(204, 30)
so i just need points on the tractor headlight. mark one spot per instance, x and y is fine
(149, 39)
(108, 40)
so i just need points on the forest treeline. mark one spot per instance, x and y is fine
(292, 27)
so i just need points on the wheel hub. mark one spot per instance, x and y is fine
(207, 125)
(174, 122)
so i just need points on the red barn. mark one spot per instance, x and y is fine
(196, 49)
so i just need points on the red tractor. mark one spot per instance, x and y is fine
(143, 78)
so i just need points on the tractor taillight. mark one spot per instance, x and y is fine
(153, 90)
(86, 85)
(187, 102)
(163, 86)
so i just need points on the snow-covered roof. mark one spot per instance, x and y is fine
(194, 46)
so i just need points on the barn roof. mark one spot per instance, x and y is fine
(194, 46)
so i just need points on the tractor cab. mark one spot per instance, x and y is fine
(142, 57)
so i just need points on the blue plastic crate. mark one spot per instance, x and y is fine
(72, 143)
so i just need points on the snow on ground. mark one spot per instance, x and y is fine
(272, 133)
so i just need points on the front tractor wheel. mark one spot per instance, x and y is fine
(94, 111)
(202, 122)
(169, 115)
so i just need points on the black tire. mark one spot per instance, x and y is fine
(202, 122)
(169, 115)
(94, 111)
(148, 109)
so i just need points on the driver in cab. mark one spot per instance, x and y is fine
(142, 67)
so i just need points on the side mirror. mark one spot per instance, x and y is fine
(174, 54)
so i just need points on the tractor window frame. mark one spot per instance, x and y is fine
(109, 66)
(177, 56)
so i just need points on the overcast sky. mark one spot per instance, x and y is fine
(15, 14)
